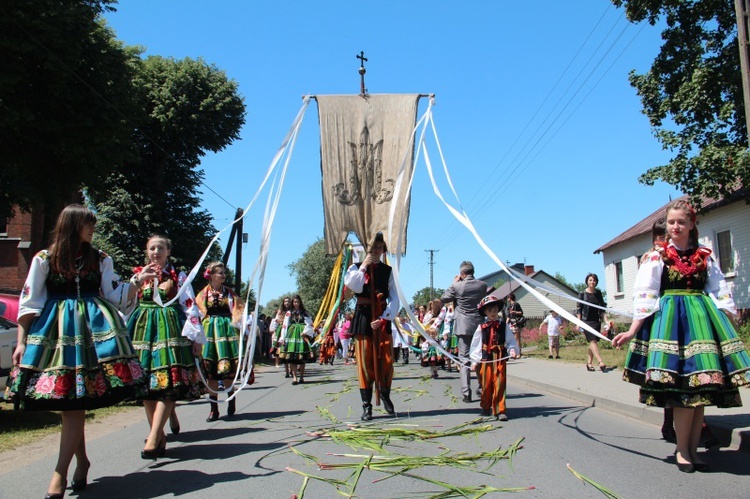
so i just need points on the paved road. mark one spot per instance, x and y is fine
(247, 455)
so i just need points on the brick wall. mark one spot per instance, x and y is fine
(21, 241)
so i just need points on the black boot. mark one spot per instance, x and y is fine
(214, 414)
(366, 394)
(231, 405)
(385, 396)
(406, 355)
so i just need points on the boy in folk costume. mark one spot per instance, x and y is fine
(372, 282)
(491, 342)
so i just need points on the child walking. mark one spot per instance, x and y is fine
(554, 323)
(492, 342)
(431, 357)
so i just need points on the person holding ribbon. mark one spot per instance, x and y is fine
(218, 304)
(73, 352)
(491, 345)
(377, 304)
(167, 338)
(685, 353)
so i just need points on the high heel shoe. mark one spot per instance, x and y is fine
(153, 454)
(57, 495)
(174, 424)
(590, 368)
(79, 484)
(602, 367)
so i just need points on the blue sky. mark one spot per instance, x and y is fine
(543, 136)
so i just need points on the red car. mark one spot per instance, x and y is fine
(9, 307)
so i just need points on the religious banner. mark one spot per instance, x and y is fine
(363, 142)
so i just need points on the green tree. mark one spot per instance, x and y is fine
(312, 272)
(578, 286)
(693, 96)
(65, 90)
(422, 297)
(274, 304)
(191, 107)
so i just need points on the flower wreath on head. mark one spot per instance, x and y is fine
(207, 273)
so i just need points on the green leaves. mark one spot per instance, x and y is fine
(693, 96)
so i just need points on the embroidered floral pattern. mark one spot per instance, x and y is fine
(67, 384)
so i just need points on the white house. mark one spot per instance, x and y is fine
(531, 306)
(723, 226)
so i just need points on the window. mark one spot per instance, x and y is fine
(726, 254)
(619, 284)
(3, 227)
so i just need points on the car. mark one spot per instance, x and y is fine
(9, 306)
(8, 341)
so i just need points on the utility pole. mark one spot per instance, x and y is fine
(432, 263)
(741, 9)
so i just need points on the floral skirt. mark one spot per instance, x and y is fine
(166, 356)
(687, 354)
(78, 357)
(296, 348)
(221, 351)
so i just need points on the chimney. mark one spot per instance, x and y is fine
(528, 269)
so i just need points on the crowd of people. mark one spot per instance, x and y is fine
(89, 339)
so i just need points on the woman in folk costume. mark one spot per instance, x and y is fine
(296, 335)
(168, 340)
(218, 304)
(73, 351)
(491, 342)
(688, 355)
(346, 337)
(377, 304)
(275, 328)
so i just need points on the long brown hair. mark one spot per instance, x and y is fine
(67, 246)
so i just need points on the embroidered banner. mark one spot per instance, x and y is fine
(363, 142)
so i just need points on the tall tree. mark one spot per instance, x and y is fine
(64, 92)
(422, 297)
(313, 271)
(191, 107)
(693, 97)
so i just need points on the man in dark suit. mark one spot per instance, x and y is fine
(466, 292)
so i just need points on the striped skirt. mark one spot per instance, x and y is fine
(166, 356)
(688, 354)
(221, 351)
(296, 348)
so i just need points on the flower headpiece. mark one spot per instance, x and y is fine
(207, 273)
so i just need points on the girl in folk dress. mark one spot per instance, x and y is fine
(168, 339)
(685, 353)
(219, 304)
(296, 333)
(275, 328)
(73, 351)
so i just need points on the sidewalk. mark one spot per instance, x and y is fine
(607, 390)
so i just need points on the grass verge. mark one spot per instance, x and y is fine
(18, 428)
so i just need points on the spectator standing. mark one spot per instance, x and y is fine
(592, 316)
(554, 323)
(515, 319)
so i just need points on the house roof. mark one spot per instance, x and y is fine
(645, 225)
(511, 286)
